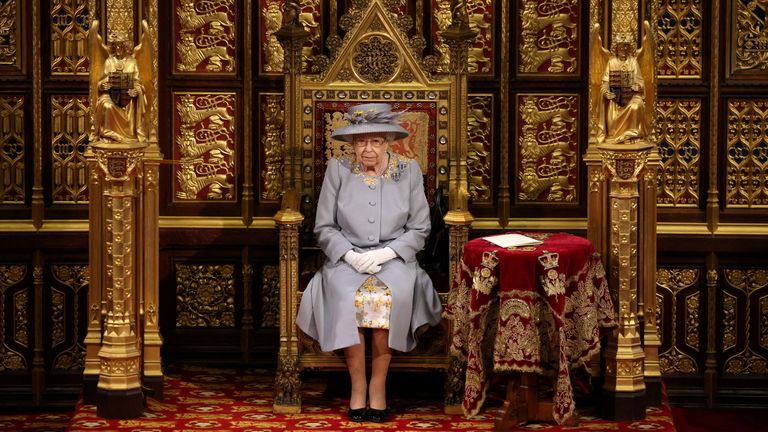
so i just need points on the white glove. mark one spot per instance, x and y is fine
(379, 256)
(360, 262)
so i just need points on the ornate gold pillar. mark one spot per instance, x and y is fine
(119, 393)
(458, 36)
(92, 340)
(287, 383)
(647, 301)
(624, 385)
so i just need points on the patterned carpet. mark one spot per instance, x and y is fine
(199, 399)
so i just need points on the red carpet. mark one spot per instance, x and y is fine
(200, 399)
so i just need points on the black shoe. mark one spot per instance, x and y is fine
(378, 416)
(357, 415)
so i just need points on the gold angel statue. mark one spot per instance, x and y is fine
(621, 88)
(120, 86)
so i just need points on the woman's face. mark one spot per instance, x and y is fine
(370, 149)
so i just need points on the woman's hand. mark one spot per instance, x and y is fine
(380, 256)
(363, 263)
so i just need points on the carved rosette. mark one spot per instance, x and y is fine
(548, 37)
(205, 295)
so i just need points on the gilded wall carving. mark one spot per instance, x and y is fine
(548, 139)
(270, 296)
(272, 15)
(763, 315)
(21, 318)
(69, 37)
(13, 149)
(71, 282)
(678, 128)
(749, 37)
(670, 284)
(480, 148)
(752, 284)
(205, 147)
(10, 358)
(205, 295)
(10, 14)
(679, 41)
(206, 37)
(481, 50)
(730, 313)
(69, 139)
(549, 37)
(747, 154)
(272, 118)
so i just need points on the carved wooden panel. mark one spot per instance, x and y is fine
(270, 296)
(69, 139)
(205, 295)
(480, 148)
(748, 39)
(70, 21)
(480, 15)
(679, 39)
(680, 310)
(10, 36)
(678, 128)
(204, 146)
(14, 149)
(547, 146)
(271, 53)
(15, 324)
(205, 36)
(68, 319)
(549, 37)
(746, 153)
(744, 313)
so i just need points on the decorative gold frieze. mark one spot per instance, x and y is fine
(72, 281)
(678, 128)
(205, 146)
(678, 31)
(13, 149)
(692, 321)
(748, 37)
(120, 19)
(272, 119)
(548, 144)
(480, 147)
(747, 154)
(751, 282)
(69, 37)
(206, 36)
(21, 318)
(10, 275)
(10, 15)
(549, 37)
(673, 281)
(480, 19)
(272, 52)
(69, 139)
(205, 295)
(730, 313)
(270, 296)
(624, 19)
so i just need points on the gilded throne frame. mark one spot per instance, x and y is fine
(375, 61)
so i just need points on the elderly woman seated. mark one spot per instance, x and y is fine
(372, 218)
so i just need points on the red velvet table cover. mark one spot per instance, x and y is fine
(528, 309)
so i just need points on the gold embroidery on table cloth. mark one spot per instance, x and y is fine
(373, 304)
(483, 279)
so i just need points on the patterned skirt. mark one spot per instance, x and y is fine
(373, 303)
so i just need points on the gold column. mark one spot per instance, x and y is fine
(287, 383)
(458, 36)
(624, 383)
(119, 393)
(38, 201)
(647, 300)
(92, 340)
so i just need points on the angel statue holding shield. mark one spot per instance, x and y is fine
(621, 88)
(119, 84)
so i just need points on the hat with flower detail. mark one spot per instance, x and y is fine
(370, 118)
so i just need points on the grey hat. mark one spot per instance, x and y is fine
(370, 118)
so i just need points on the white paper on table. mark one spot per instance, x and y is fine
(512, 240)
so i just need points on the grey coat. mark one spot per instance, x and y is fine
(352, 214)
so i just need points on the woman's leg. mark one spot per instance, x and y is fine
(355, 358)
(382, 354)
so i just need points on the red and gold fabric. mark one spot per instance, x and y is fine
(529, 309)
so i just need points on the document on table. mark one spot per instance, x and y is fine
(512, 240)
